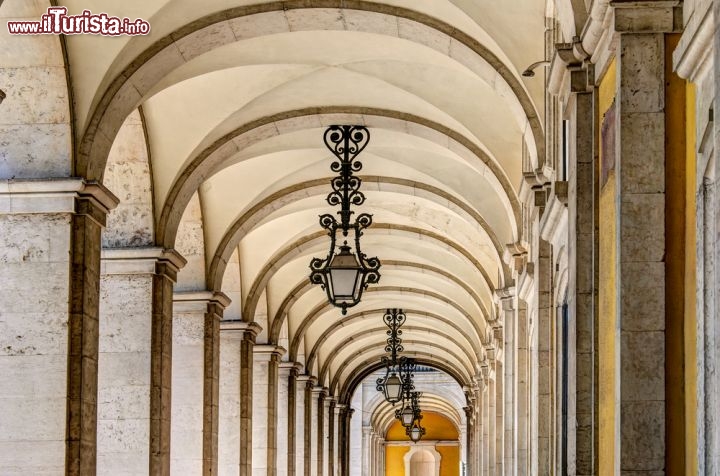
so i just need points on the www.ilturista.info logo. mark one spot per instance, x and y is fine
(56, 21)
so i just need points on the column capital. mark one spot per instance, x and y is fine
(268, 352)
(248, 330)
(309, 380)
(146, 260)
(60, 195)
(643, 16)
(320, 391)
(198, 301)
(293, 368)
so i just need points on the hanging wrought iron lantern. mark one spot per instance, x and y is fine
(346, 271)
(392, 383)
(411, 420)
(416, 432)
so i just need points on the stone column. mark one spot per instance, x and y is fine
(491, 415)
(50, 273)
(522, 381)
(135, 353)
(231, 334)
(312, 427)
(247, 359)
(286, 408)
(499, 401)
(296, 422)
(341, 411)
(582, 237)
(264, 408)
(640, 147)
(366, 448)
(322, 434)
(345, 448)
(478, 436)
(509, 411)
(485, 412)
(332, 435)
(470, 440)
(545, 351)
(195, 381)
(302, 463)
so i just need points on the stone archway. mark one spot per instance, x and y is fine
(422, 461)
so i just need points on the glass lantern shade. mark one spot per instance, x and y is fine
(407, 415)
(393, 389)
(415, 433)
(345, 277)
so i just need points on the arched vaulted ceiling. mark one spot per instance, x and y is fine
(235, 98)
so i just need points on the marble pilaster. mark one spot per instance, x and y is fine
(250, 331)
(231, 335)
(195, 381)
(266, 359)
(135, 352)
(49, 413)
(286, 409)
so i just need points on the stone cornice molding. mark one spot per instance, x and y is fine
(320, 391)
(289, 366)
(554, 219)
(139, 260)
(526, 282)
(26, 196)
(267, 352)
(253, 328)
(693, 55)
(515, 255)
(647, 16)
(197, 301)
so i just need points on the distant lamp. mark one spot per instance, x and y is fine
(416, 432)
(392, 384)
(346, 272)
(530, 70)
(407, 415)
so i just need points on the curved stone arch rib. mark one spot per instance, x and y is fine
(386, 414)
(369, 366)
(461, 369)
(377, 406)
(124, 92)
(211, 157)
(298, 247)
(304, 286)
(256, 214)
(379, 330)
(351, 318)
(315, 313)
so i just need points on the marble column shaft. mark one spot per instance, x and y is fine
(545, 351)
(231, 334)
(522, 374)
(195, 381)
(507, 303)
(323, 407)
(287, 375)
(640, 168)
(247, 344)
(50, 234)
(266, 360)
(136, 330)
(582, 257)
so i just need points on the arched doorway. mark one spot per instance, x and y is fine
(423, 462)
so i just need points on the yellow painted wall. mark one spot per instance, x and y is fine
(437, 427)
(450, 462)
(395, 460)
(607, 316)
